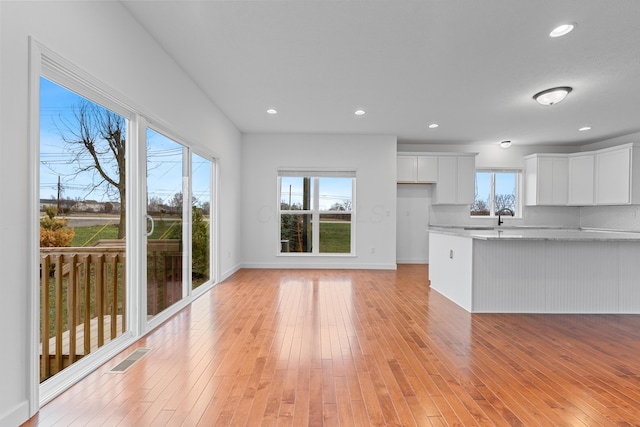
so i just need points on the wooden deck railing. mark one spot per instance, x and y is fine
(83, 297)
(81, 289)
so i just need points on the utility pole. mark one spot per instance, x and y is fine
(59, 191)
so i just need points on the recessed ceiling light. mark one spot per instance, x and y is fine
(562, 30)
(553, 95)
(505, 144)
(584, 128)
(359, 113)
(433, 125)
(272, 111)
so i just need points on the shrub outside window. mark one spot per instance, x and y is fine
(316, 212)
(497, 191)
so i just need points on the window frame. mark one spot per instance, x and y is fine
(518, 190)
(315, 175)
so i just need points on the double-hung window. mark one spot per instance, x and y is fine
(316, 211)
(497, 192)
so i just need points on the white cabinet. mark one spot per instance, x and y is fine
(456, 180)
(546, 179)
(466, 180)
(407, 168)
(446, 187)
(417, 169)
(427, 168)
(453, 173)
(581, 179)
(617, 172)
(609, 176)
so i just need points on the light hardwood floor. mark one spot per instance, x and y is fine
(362, 348)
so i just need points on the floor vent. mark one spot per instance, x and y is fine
(124, 366)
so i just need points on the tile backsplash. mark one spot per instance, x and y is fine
(625, 218)
(611, 217)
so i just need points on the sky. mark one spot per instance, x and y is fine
(331, 191)
(505, 184)
(55, 103)
(164, 157)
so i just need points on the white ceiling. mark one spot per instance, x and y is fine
(471, 66)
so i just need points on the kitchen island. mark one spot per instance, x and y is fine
(536, 270)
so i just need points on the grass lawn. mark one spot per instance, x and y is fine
(335, 237)
(86, 236)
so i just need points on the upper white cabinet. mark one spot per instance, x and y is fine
(446, 191)
(456, 180)
(617, 175)
(581, 179)
(407, 169)
(417, 169)
(546, 179)
(454, 175)
(427, 168)
(609, 176)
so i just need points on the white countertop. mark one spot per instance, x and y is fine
(532, 233)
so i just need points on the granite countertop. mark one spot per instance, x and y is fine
(534, 233)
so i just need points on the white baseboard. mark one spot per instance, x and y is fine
(16, 415)
(224, 276)
(320, 266)
(412, 261)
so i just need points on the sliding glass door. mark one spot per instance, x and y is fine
(82, 210)
(98, 281)
(201, 244)
(166, 186)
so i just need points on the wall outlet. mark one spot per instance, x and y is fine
(451, 253)
(373, 250)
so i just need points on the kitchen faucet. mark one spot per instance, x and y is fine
(500, 213)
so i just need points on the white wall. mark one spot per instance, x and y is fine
(612, 142)
(373, 158)
(103, 40)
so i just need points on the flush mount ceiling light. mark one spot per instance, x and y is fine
(562, 30)
(433, 125)
(553, 95)
(582, 129)
(505, 144)
(272, 111)
(359, 113)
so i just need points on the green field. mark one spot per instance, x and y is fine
(335, 237)
(87, 236)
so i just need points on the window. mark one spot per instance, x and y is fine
(497, 191)
(316, 212)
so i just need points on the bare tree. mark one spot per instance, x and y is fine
(155, 204)
(480, 207)
(505, 201)
(176, 202)
(95, 138)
